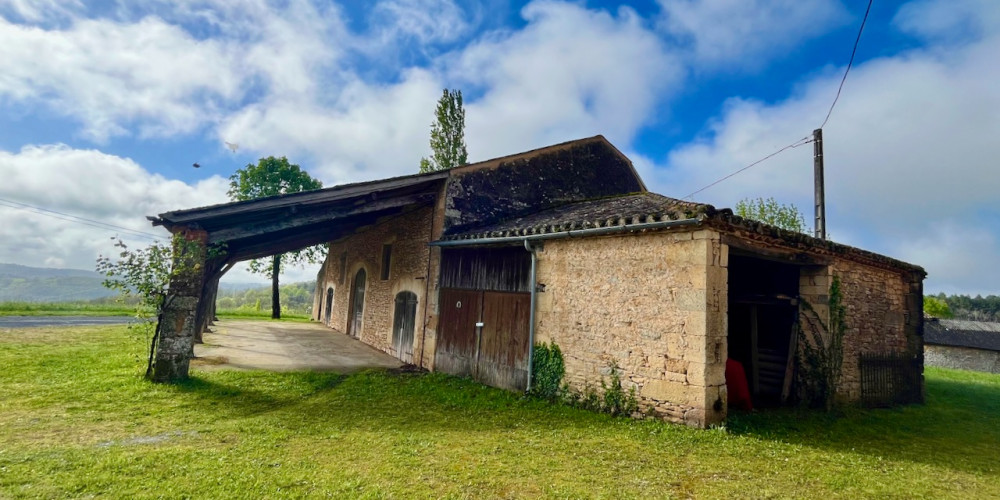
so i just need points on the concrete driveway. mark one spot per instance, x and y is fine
(285, 346)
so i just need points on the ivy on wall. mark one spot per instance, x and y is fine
(822, 350)
(547, 371)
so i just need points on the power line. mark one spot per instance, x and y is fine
(77, 219)
(849, 64)
(806, 139)
(801, 142)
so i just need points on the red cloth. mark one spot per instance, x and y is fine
(737, 387)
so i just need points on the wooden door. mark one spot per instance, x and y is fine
(503, 344)
(403, 322)
(329, 305)
(357, 304)
(456, 343)
(497, 353)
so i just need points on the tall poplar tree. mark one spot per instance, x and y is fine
(447, 134)
(272, 177)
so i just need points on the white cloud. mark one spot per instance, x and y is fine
(109, 75)
(367, 132)
(418, 21)
(958, 255)
(744, 33)
(99, 187)
(949, 20)
(160, 73)
(41, 10)
(908, 148)
(570, 73)
(89, 184)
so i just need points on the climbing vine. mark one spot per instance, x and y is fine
(547, 371)
(822, 350)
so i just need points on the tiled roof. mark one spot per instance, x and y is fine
(605, 212)
(962, 333)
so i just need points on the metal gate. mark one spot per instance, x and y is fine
(889, 379)
(484, 335)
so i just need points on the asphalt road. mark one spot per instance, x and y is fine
(31, 321)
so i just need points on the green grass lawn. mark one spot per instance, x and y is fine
(76, 420)
(64, 309)
(116, 309)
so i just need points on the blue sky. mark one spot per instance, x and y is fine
(105, 106)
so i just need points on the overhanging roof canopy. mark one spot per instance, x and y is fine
(268, 226)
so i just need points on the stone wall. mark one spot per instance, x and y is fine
(408, 234)
(654, 304)
(962, 358)
(878, 319)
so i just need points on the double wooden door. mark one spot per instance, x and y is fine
(484, 334)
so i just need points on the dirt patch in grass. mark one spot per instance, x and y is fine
(206, 361)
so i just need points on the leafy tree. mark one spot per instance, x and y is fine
(976, 308)
(141, 277)
(937, 308)
(272, 177)
(771, 212)
(447, 134)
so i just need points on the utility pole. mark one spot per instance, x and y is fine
(818, 180)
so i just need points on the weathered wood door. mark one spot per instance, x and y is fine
(357, 304)
(403, 322)
(456, 344)
(503, 344)
(495, 354)
(329, 305)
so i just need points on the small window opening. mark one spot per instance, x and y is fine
(343, 267)
(386, 260)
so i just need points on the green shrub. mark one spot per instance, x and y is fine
(612, 398)
(547, 371)
(616, 400)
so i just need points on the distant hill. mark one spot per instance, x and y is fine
(40, 284)
(36, 284)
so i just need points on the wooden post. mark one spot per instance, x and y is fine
(754, 353)
(275, 297)
(818, 182)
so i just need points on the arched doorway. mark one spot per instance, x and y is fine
(402, 325)
(329, 305)
(357, 304)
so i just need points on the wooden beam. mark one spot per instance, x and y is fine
(287, 221)
(317, 197)
(746, 248)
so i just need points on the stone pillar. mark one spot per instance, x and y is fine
(706, 353)
(814, 290)
(179, 323)
(692, 389)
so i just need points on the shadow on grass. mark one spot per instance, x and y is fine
(958, 427)
(375, 399)
(252, 393)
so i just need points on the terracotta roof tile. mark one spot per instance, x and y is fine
(605, 212)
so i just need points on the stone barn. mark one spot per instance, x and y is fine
(962, 344)
(464, 271)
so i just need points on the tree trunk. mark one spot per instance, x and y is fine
(275, 297)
